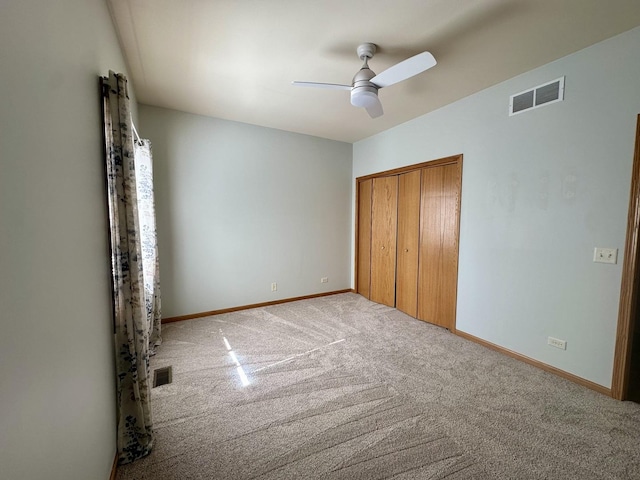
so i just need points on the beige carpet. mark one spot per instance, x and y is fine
(343, 388)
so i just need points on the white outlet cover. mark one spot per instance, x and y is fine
(556, 342)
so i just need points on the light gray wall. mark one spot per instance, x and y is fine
(241, 206)
(57, 380)
(540, 190)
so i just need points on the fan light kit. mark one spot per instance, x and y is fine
(365, 84)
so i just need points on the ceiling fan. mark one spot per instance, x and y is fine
(365, 84)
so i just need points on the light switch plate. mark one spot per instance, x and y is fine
(605, 255)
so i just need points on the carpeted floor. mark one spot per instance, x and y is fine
(343, 388)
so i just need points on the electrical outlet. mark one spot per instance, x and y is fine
(556, 342)
(324, 280)
(274, 287)
(605, 255)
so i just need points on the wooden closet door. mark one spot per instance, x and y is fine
(407, 247)
(384, 216)
(438, 263)
(364, 237)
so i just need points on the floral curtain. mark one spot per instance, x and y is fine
(136, 313)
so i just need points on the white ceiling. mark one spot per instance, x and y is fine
(235, 59)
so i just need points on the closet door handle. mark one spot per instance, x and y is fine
(383, 247)
(406, 249)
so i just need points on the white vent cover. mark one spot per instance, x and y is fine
(539, 96)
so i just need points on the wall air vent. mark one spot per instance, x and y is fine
(162, 376)
(539, 96)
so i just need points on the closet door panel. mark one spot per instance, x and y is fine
(438, 263)
(384, 211)
(364, 237)
(408, 242)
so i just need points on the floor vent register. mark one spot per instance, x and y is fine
(161, 376)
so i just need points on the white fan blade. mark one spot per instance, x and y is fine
(375, 110)
(333, 86)
(405, 69)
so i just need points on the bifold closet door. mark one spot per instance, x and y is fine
(384, 217)
(438, 262)
(408, 242)
(364, 237)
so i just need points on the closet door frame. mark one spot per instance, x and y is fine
(452, 160)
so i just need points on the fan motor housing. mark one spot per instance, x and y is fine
(363, 90)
